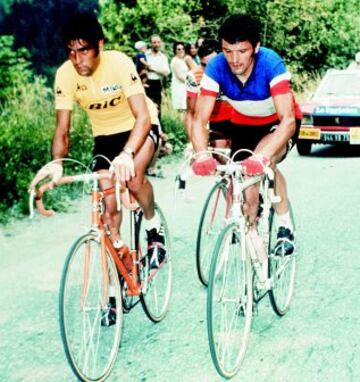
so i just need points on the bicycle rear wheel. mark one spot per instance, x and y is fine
(156, 283)
(90, 348)
(229, 303)
(211, 222)
(282, 271)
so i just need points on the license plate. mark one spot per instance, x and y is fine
(355, 136)
(306, 133)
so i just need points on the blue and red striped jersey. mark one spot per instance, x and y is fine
(252, 102)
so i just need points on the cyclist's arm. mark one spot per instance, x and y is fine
(142, 123)
(60, 144)
(199, 132)
(284, 105)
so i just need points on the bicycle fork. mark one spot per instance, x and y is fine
(265, 283)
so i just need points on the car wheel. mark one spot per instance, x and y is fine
(303, 147)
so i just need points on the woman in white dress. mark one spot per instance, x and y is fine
(179, 70)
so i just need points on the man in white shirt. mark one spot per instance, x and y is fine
(158, 69)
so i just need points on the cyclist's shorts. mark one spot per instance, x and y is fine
(110, 146)
(247, 137)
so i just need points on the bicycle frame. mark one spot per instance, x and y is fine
(239, 185)
(98, 228)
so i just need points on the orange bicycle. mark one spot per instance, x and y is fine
(95, 282)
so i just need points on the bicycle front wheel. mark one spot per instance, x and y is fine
(211, 222)
(156, 283)
(229, 303)
(90, 346)
(282, 272)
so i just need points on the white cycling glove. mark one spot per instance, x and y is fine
(123, 167)
(51, 170)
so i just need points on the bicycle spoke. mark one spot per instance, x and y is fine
(90, 347)
(157, 283)
(229, 303)
(282, 272)
(212, 220)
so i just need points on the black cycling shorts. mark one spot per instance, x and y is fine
(246, 136)
(110, 146)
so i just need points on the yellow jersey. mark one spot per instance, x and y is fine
(104, 94)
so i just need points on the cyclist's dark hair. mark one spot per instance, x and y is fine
(83, 26)
(238, 28)
(207, 47)
(175, 45)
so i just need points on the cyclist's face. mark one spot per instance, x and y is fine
(240, 56)
(83, 56)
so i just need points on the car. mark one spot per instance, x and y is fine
(332, 114)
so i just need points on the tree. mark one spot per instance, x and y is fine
(124, 25)
(309, 34)
(37, 26)
(14, 67)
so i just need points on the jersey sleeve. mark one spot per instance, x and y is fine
(64, 89)
(279, 77)
(129, 78)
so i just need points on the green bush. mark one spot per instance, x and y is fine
(27, 123)
(173, 126)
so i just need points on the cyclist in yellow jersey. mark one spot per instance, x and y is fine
(124, 122)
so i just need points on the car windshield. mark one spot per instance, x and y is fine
(340, 85)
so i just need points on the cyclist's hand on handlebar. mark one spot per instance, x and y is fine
(204, 166)
(123, 166)
(255, 165)
(51, 170)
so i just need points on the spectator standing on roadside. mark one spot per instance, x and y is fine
(179, 70)
(158, 69)
(191, 56)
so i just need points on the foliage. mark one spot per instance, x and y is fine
(27, 126)
(125, 25)
(14, 67)
(37, 26)
(310, 35)
(171, 122)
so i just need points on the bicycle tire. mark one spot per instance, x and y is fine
(282, 270)
(212, 220)
(230, 289)
(155, 296)
(90, 348)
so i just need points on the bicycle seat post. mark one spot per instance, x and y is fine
(96, 200)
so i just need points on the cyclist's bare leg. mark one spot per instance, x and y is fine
(111, 216)
(140, 186)
(280, 189)
(220, 144)
(252, 193)
(280, 183)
